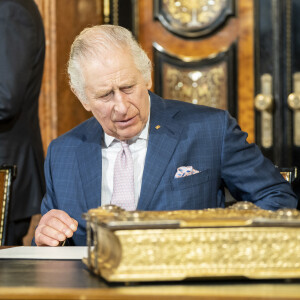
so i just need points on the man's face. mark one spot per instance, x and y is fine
(117, 94)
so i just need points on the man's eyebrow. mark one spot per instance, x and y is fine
(103, 92)
(127, 85)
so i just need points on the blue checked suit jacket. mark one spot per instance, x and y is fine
(207, 139)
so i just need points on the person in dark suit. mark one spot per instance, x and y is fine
(22, 51)
(183, 155)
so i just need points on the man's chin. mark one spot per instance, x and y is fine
(127, 134)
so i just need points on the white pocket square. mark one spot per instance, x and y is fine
(185, 171)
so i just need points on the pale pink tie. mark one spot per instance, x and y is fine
(123, 191)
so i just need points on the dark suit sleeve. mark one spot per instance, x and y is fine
(249, 175)
(49, 201)
(18, 40)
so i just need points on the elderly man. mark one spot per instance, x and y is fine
(140, 151)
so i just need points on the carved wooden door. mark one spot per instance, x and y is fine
(202, 53)
(277, 84)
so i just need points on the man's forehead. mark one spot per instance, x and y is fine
(107, 55)
(112, 82)
(112, 64)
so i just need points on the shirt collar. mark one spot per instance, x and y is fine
(144, 134)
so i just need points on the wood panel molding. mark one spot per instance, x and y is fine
(48, 95)
(59, 109)
(246, 68)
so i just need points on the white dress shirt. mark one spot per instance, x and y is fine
(110, 149)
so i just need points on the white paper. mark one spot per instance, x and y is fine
(55, 253)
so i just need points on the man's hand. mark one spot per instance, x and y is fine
(54, 228)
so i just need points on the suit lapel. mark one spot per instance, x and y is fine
(89, 159)
(164, 135)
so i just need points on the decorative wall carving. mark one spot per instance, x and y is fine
(206, 87)
(239, 241)
(208, 81)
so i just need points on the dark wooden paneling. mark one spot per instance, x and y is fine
(72, 17)
(63, 20)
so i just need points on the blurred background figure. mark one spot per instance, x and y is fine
(22, 51)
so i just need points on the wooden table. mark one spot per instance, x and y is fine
(53, 279)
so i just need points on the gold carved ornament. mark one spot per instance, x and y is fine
(242, 240)
(193, 14)
(3, 200)
(205, 86)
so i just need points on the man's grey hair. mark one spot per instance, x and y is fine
(95, 41)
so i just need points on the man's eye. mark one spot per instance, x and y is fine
(105, 97)
(127, 89)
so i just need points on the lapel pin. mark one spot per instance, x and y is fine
(157, 126)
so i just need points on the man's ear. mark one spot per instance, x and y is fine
(84, 103)
(149, 84)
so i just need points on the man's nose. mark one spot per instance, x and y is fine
(121, 104)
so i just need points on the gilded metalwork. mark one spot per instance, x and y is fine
(205, 86)
(286, 176)
(106, 11)
(264, 103)
(3, 200)
(194, 13)
(289, 174)
(242, 240)
(288, 40)
(193, 18)
(136, 18)
(209, 81)
(294, 104)
(115, 13)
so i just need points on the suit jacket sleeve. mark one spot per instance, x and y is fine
(49, 201)
(249, 175)
(17, 44)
